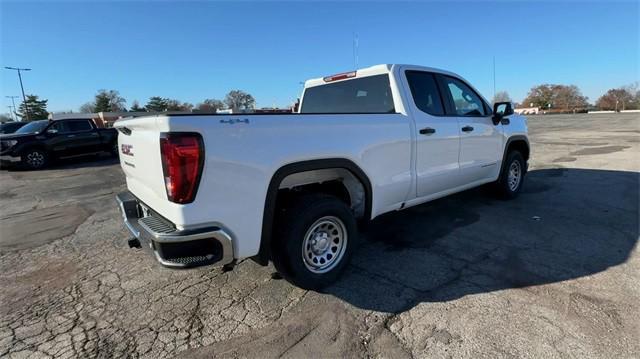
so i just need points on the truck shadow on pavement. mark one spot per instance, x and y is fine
(567, 224)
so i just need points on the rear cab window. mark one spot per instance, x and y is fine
(371, 94)
(79, 126)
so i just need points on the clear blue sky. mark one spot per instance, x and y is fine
(196, 50)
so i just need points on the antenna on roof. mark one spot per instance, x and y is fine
(355, 51)
(494, 77)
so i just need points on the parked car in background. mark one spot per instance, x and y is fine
(11, 127)
(292, 188)
(37, 143)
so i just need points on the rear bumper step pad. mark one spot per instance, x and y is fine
(172, 247)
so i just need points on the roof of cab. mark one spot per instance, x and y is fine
(376, 70)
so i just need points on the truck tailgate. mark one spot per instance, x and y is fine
(139, 147)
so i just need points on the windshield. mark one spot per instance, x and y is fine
(33, 127)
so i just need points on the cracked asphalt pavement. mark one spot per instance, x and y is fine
(554, 274)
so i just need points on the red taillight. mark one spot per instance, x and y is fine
(182, 159)
(341, 76)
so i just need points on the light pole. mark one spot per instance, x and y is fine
(24, 99)
(13, 102)
(11, 112)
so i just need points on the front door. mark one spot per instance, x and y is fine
(480, 139)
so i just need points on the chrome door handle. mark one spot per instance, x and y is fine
(71, 136)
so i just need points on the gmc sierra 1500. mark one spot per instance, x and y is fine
(292, 188)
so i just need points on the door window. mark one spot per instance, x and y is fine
(59, 126)
(424, 91)
(465, 101)
(79, 126)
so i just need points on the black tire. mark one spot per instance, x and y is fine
(505, 186)
(35, 158)
(328, 215)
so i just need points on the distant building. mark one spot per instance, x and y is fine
(272, 110)
(527, 111)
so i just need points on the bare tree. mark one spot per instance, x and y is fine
(620, 99)
(88, 107)
(175, 105)
(569, 98)
(210, 105)
(563, 97)
(239, 100)
(501, 96)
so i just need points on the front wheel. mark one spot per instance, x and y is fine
(511, 178)
(315, 240)
(35, 159)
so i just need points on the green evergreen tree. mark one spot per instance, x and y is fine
(135, 107)
(37, 109)
(102, 103)
(156, 104)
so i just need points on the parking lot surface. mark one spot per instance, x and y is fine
(554, 273)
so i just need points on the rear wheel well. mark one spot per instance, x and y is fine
(333, 188)
(340, 178)
(337, 182)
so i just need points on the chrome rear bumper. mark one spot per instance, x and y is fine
(170, 246)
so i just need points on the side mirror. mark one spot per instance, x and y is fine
(501, 110)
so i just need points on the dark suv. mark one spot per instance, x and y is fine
(36, 143)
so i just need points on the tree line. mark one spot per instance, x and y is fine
(111, 101)
(551, 97)
(569, 98)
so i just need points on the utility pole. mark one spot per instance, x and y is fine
(24, 99)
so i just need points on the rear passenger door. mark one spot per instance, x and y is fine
(480, 139)
(81, 137)
(437, 138)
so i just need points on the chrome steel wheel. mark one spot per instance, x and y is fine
(35, 159)
(515, 176)
(324, 244)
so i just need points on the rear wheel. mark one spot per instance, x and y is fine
(511, 178)
(314, 242)
(35, 158)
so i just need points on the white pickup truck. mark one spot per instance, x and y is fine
(293, 188)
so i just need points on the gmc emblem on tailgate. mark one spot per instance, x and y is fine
(126, 149)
